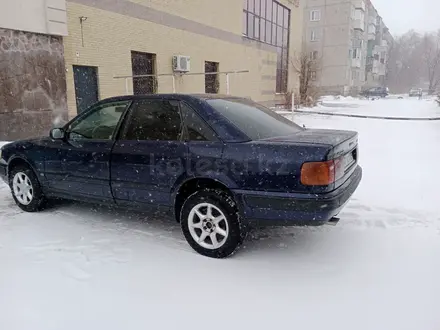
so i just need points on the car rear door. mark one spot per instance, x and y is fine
(149, 154)
(79, 166)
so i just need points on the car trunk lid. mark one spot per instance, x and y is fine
(342, 148)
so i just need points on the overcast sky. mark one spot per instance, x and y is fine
(403, 15)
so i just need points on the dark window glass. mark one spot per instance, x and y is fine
(253, 119)
(153, 120)
(196, 128)
(143, 64)
(99, 124)
(211, 80)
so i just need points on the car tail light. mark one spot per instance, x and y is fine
(322, 173)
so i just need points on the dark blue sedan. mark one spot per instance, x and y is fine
(218, 164)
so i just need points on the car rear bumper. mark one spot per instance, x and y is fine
(285, 209)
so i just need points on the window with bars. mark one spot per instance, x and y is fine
(268, 21)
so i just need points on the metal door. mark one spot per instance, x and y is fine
(86, 86)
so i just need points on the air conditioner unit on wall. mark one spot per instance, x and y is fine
(181, 63)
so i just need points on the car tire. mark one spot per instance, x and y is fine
(26, 189)
(211, 223)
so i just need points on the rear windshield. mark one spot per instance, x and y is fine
(253, 119)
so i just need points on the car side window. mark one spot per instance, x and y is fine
(196, 128)
(153, 120)
(99, 124)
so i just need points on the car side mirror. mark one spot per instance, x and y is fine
(57, 134)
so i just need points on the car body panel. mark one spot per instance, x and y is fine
(145, 171)
(263, 175)
(376, 91)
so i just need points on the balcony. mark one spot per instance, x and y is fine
(356, 62)
(379, 68)
(359, 24)
(360, 4)
(371, 32)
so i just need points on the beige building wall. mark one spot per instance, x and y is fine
(205, 30)
(39, 16)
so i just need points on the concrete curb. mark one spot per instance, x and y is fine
(364, 116)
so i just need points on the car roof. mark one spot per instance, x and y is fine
(171, 96)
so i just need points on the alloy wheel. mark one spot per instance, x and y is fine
(208, 226)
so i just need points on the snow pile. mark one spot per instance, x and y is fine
(337, 98)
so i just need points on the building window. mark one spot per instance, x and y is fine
(355, 75)
(212, 84)
(313, 75)
(268, 21)
(314, 35)
(143, 68)
(314, 55)
(315, 15)
(357, 52)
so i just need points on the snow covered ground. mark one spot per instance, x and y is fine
(407, 107)
(82, 267)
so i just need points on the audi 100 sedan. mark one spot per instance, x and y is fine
(218, 164)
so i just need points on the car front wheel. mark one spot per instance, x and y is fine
(211, 223)
(26, 189)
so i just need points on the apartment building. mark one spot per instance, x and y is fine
(379, 41)
(349, 41)
(119, 47)
(32, 69)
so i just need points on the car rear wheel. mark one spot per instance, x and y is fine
(211, 223)
(26, 189)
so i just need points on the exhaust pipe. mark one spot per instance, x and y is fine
(333, 221)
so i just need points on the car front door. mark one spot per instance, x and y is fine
(149, 154)
(80, 165)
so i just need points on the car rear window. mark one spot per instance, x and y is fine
(253, 119)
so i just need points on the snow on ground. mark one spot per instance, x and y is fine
(407, 107)
(82, 267)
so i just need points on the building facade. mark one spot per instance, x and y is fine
(120, 47)
(350, 42)
(32, 68)
(379, 42)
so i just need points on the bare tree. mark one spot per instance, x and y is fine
(404, 65)
(431, 59)
(306, 65)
